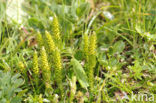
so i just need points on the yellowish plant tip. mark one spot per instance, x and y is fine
(35, 64)
(45, 65)
(51, 44)
(56, 28)
(92, 45)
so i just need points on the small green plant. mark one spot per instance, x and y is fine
(23, 70)
(136, 70)
(10, 88)
(35, 99)
(36, 71)
(22, 67)
(50, 42)
(46, 71)
(92, 60)
(58, 70)
(56, 32)
(56, 28)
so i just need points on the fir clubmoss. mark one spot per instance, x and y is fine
(92, 44)
(50, 42)
(46, 70)
(92, 60)
(35, 64)
(23, 70)
(21, 67)
(56, 28)
(35, 69)
(58, 70)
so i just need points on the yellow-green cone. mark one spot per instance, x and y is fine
(35, 64)
(23, 70)
(58, 70)
(46, 70)
(92, 44)
(45, 65)
(50, 42)
(56, 28)
(92, 60)
(21, 66)
(35, 69)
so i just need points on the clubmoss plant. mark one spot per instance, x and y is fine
(56, 32)
(46, 70)
(56, 28)
(36, 69)
(56, 57)
(23, 70)
(21, 66)
(58, 70)
(92, 45)
(50, 42)
(35, 64)
(92, 60)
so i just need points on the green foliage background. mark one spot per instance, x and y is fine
(125, 59)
